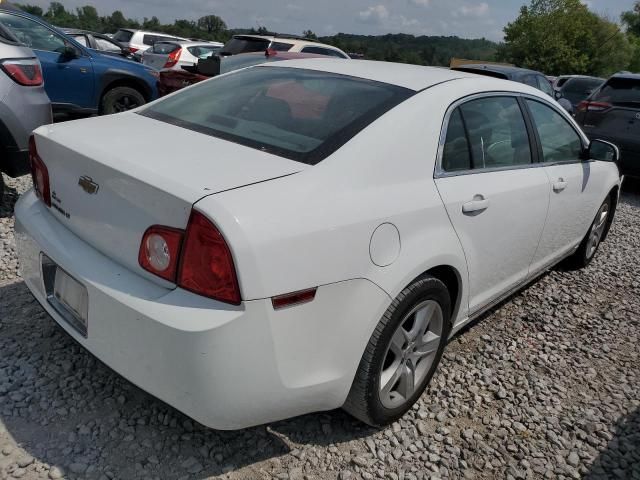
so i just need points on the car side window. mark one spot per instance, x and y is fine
(456, 155)
(544, 85)
(107, 46)
(81, 39)
(560, 142)
(32, 34)
(496, 132)
(530, 80)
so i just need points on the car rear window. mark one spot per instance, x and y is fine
(164, 48)
(245, 45)
(620, 91)
(123, 36)
(582, 85)
(298, 114)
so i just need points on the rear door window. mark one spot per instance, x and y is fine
(107, 45)
(620, 91)
(560, 142)
(456, 155)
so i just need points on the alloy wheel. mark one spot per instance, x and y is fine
(411, 353)
(597, 229)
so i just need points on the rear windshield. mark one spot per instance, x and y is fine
(164, 48)
(123, 36)
(620, 91)
(203, 51)
(582, 85)
(245, 45)
(298, 114)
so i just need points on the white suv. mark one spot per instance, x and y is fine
(137, 41)
(289, 43)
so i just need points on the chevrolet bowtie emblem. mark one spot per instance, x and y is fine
(88, 185)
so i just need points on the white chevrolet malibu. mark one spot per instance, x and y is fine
(304, 236)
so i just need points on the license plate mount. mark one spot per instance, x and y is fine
(66, 295)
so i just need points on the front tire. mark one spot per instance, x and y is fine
(589, 246)
(402, 354)
(121, 99)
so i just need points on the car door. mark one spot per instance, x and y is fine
(68, 79)
(576, 185)
(496, 200)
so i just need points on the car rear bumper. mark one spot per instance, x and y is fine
(227, 367)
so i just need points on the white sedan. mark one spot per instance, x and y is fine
(305, 235)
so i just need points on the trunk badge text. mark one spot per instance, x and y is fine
(88, 185)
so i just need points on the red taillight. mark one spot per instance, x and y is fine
(270, 52)
(133, 49)
(587, 106)
(295, 298)
(206, 266)
(160, 251)
(25, 71)
(39, 173)
(173, 58)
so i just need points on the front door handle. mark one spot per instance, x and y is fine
(478, 204)
(559, 185)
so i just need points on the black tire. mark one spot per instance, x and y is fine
(364, 399)
(587, 251)
(1, 188)
(121, 99)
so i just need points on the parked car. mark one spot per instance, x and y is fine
(173, 80)
(98, 41)
(277, 266)
(515, 74)
(612, 112)
(24, 106)
(576, 88)
(137, 41)
(175, 55)
(78, 80)
(281, 43)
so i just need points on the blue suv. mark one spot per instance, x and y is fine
(79, 80)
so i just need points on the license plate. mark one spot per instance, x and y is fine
(66, 295)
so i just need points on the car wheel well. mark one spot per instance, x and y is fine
(126, 82)
(613, 194)
(452, 280)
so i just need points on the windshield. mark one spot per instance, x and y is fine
(123, 36)
(298, 114)
(244, 45)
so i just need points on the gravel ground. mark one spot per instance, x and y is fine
(545, 386)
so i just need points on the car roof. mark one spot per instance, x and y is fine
(413, 77)
(189, 43)
(568, 77)
(629, 75)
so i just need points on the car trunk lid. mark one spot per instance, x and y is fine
(113, 177)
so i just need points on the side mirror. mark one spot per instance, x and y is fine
(604, 151)
(69, 52)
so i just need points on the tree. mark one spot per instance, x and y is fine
(32, 9)
(631, 19)
(88, 18)
(213, 24)
(565, 37)
(310, 35)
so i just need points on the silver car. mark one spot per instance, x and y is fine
(24, 107)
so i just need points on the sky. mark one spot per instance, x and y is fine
(463, 18)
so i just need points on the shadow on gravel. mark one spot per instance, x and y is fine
(8, 201)
(66, 409)
(621, 459)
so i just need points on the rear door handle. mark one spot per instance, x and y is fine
(478, 204)
(559, 185)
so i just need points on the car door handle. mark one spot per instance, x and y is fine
(478, 204)
(559, 185)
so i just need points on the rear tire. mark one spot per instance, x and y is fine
(1, 188)
(121, 99)
(402, 354)
(591, 242)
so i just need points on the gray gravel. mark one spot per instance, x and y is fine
(546, 386)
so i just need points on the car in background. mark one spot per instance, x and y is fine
(137, 41)
(98, 41)
(281, 43)
(25, 105)
(576, 88)
(174, 80)
(612, 112)
(78, 80)
(506, 72)
(176, 54)
(252, 248)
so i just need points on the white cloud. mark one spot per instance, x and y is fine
(477, 10)
(375, 14)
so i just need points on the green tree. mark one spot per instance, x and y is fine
(564, 36)
(32, 9)
(212, 24)
(631, 19)
(310, 35)
(88, 18)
